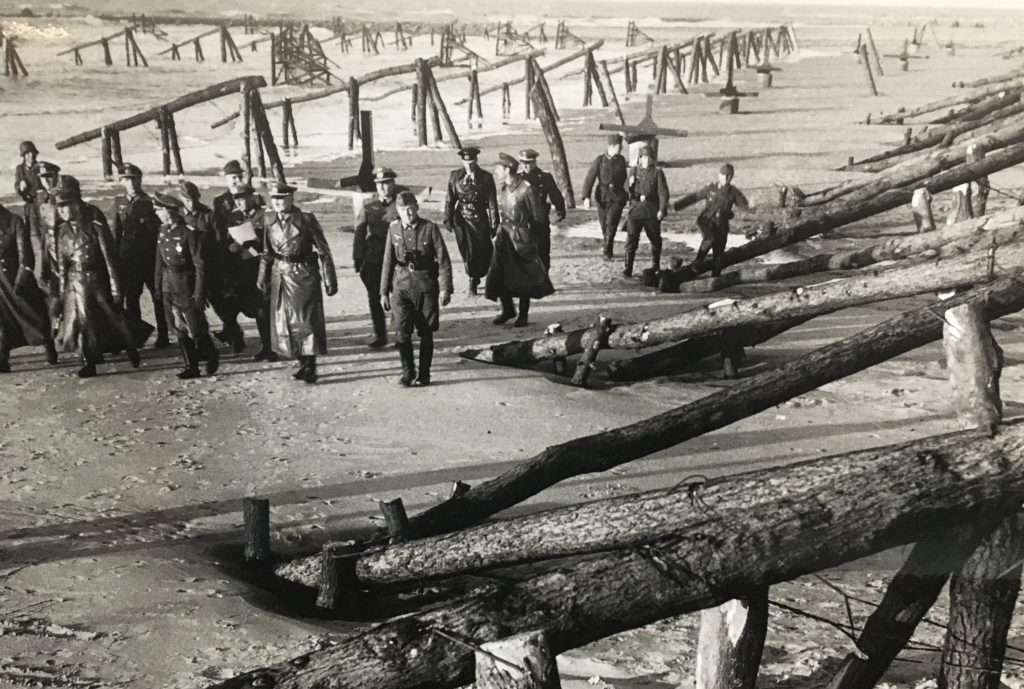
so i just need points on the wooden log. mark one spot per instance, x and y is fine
(245, 110)
(165, 144)
(396, 520)
(542, 82)
(611, 90)
(874, 53)
(559, 161)
(435, 113)
(421, 103)
(115, 148)
(867, 70)
(595, 76)
(107, 161)
(594, 46)
(339, 588)
(266, 137)
(172, 140)
(286, 113)
(980, 110)
(435, 96)
(353, 112)
(591, 348)
(529, 78)
(843, 213)
(730, 642)
(946, 103)
(606, 450)
(910, 594)
(523, 661)
(256, 513)
(588, 91)
(599, 596)
(974, 361)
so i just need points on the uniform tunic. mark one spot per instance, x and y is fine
(370, 242)
(180, 278)
(30, 194)
(416, 269)
(292, 242)
(90, 290)
(516, 268)
(135, 229)
(471, 211)
(606, 178)
(649, 195)
(713, 220)
(232, 279)
(550, 196)
(23, 319)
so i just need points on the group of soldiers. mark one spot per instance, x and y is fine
(274, 265)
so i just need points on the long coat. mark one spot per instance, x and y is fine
(232, 279)
(471, 212)
(23, 319)
(295, 253)
(90, 289)
(516, 268)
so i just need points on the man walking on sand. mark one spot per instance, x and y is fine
(550, 197)
(720, 197)
(648, 195)
(471, 212)
(606, 178)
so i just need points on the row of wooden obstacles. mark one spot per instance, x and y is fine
(606, 566)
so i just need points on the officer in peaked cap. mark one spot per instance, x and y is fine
(136, 226)
(606, 179)
(180, 282)
(471, 212)
(550, 197)
(368, 247)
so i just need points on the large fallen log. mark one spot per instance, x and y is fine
(928, 485)
(944, 103)
(979, 110)
(798, 302)
(846, 211)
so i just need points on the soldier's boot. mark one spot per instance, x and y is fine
(380, 328)
(265, 353)
(508, 311)
(310, 376)
(656, 258)
(191, 357)
(524, 312)
(162, 340)
(133, 356)
(300, 373)
(88, 369)
(210, 353)
(51, 353)
(609, 243)
(627, 267)
(474, 283)
(231, 334)
(426, 358)
(5, 362)
(408, 363)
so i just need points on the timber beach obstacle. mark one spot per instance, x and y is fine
(133, 55)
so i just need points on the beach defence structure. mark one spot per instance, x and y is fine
(298, 58)
(133, 55)
(228, 49)
(163, 116)
(635, 36)
(13, 66)
(659, 554)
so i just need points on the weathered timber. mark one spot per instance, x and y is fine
(590, 351)
(523, 661)
(559, 161)
(795, 302)
(952, 101)
(974, 362)
(867, 69)
(874, 53)
(980, 110)
(582, 52)
(847, 211)
(730, 642)
(209, 93)
(435, 97)
(497, 64)
(775, 541)
(256, 514)
(266, 136)
(611, 90)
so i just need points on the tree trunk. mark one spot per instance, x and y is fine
(943, 104)
(523, 661)
(559, 161)
(730, 642)
(777, 541)
(851, 210)
(797, 302)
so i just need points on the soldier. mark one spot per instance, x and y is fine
(46, 207)
(713, 221)
(550, 196)
(235, 268)
(375, 217)
(92, 321)
(516, 268)
(23, 318)
(291, 267)
(471, 211)
(179, 281)
(135, 230)
(648, 195)
(418, 272)
(26, 180)
(607, 179)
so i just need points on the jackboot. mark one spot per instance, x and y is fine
(88, 369)
(191, 357)
(380, 327)
(162, 339)
(508, 311)
(300, 373)
(474, 283)
(656, 259)
(524, 312)
(426, 358)
(408, 363)
(5, 365)
(51, 353)
(310, 376)
(627, 268)
(265, 353)
(212, 356)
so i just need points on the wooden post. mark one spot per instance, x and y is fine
(596, 76)
(366, 141)
(874, 52)
(256, 513)
(108, 60)
(524, 661)
(396, 519)
(974, 361)
(108, 164)
(353, 112)
(440, 109)
(867, 69)
(478, 101)
(172, 139)
(266, 136)
(731, 641)
(415, 98)
(506, 102)
(339, 587)
(542, 81)
(286, 111)
(421, 103)
(273, 59)
(224, 45)
(559, 162)
(588, 89)
(529, 86)
(590, 350)
(245, 114)
(611, 90)
(115, 148)
(165, 144)
(921, 206)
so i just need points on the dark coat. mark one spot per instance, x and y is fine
(648, 193)
(516, 268)
(372, 223)
(607, 179)
(23, 317)
(550, 195)
(471, 212)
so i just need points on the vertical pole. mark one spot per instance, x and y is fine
(165, 143)
(107, 59)
(172, 139)
(353, 112)
(273, 60)
(421, 104)
(529, 85)
(108, 164)
(223, 43)
(867, 69)
(267, 136)
(366, 140)
(588, 88)
(479, 102)
(559, 162)
(596, 76)
(115, 148)
(286, 111)
(874, 52)
(611, 90)
(256, 513)
(731, 641)
(245, 114)
(415, 99)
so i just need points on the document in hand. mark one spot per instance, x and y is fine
(243, 233)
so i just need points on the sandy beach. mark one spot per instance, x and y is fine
(121, 495)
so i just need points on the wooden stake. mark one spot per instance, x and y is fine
(353, 112)
(596, 77)
(108, 163)
(339, 586)
(611, 90)
(974, 361)
(867, 69)
(245, 112)
(115, 148)
(259, 116)
(588, 91)
(530, 76)
(440, 109)
(524, 661)
(874, 52)
(165, 144)
(542, 81)
(559, 162)
(256, 513)
(421, 102)
(396, 519)
(731, 641)
(172, 139)
(597, 339)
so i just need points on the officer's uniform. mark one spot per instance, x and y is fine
(416, 270)
(648, 194)
(135, 232)
(713, 221)
(23, 318)
(180, 280)
(372, 223)
(550, 197)
(607, 179)
(471, 211)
